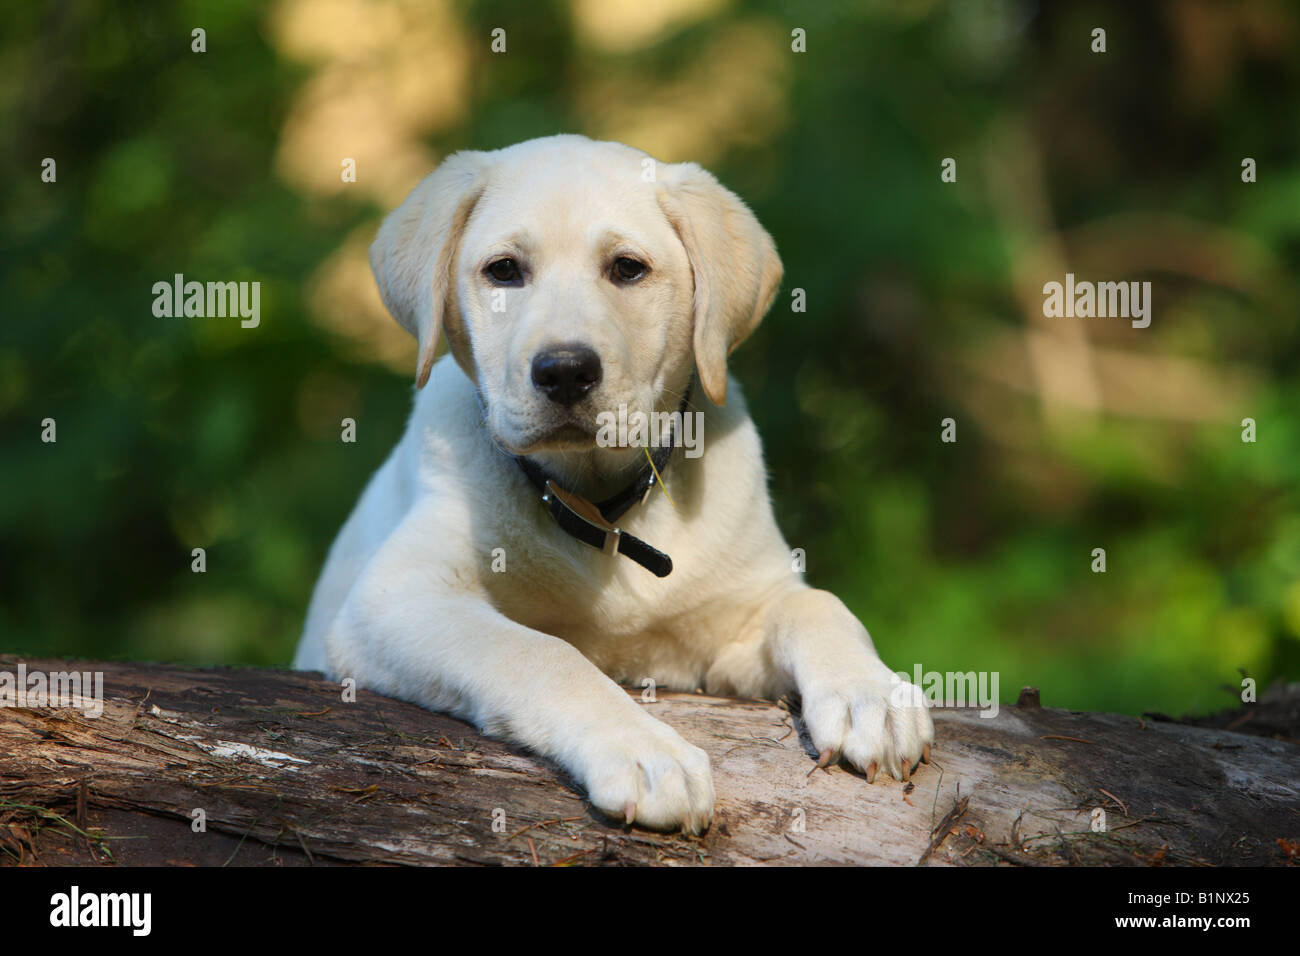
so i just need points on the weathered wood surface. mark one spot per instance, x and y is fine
(288, 774)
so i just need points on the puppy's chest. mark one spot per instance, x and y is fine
(620, 616)
(568, 588)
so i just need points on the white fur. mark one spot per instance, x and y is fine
(408, 603)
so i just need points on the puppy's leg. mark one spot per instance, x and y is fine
(853, 705)
(403, 632)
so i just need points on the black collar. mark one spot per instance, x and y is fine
(594, 522)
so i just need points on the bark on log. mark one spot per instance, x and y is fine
(286, 774)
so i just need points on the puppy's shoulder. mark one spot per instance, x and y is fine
(730, 425)
(447, 408)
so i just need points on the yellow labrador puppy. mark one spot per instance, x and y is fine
(515, 556)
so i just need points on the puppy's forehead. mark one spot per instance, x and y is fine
(577, 191)
(569, 158)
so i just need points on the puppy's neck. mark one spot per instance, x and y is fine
(593, 473)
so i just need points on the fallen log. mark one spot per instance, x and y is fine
(252, 767)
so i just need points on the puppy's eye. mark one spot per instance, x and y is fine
(627, 269)
(504, 271)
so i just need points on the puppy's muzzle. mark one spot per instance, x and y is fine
(566, 373)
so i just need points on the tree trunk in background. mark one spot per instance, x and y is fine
(284, 772)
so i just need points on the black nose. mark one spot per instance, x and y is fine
(565, 373)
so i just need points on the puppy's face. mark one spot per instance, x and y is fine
(573, 296)
(573, 278)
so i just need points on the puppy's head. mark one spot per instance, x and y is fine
(573, 277)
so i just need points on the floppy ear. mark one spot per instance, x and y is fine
(734, 262)
(413, 254)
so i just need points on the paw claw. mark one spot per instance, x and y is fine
(654, 779)
(870, 721)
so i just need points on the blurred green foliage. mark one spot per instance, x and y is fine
(183, 433)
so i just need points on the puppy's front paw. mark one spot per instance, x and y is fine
(648, 774)
(869, 718)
